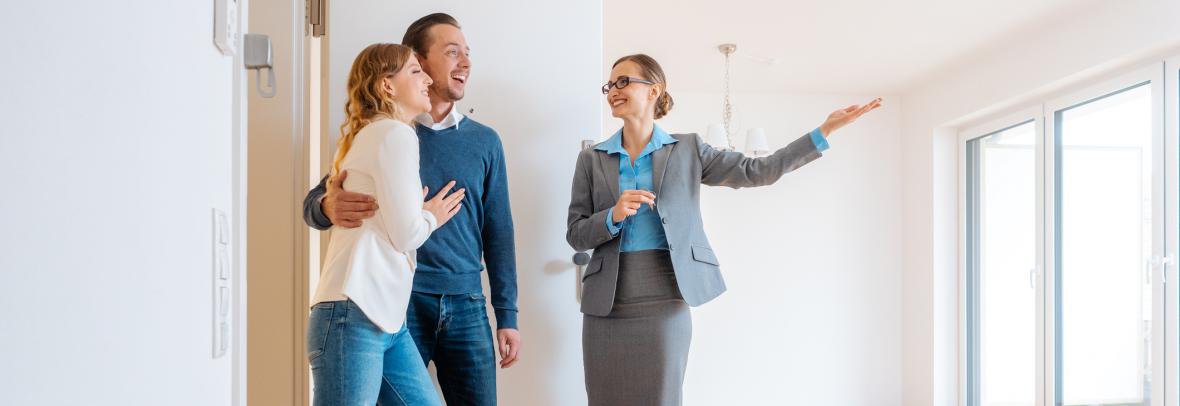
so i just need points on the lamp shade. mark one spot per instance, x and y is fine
(717, 137)
(756, 142)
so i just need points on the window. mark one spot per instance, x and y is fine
(1003, 182)
(1064, 250)
(1103, 151)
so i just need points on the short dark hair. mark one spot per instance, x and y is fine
(418, 34)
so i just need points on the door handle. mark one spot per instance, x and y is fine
(259, 56)
(580, 260)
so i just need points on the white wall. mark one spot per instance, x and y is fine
(118, 124)
(1028, 64)
(813, 263)
(535, 80)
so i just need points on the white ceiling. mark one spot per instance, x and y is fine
(821, 46)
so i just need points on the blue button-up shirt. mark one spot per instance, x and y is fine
(644, 230)
(817, 138)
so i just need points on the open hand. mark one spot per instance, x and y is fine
(847, 115)
(444, 206)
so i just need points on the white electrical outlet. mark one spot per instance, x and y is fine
(225, 26)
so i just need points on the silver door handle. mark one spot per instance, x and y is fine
(259, 56)
(580, 260)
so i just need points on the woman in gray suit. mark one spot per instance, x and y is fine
(635, 202)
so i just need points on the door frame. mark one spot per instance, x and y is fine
(283, 188)
(238, 216)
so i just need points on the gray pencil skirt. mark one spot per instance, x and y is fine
(636, 355)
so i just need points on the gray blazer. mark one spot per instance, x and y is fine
(678, 171)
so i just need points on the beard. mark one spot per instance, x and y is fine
(446, 91)
(455, 94)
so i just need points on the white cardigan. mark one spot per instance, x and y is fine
(374, 264)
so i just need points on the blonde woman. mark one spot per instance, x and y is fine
(359, 349)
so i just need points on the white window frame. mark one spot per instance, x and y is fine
(1163, 78)
(1010, 120)
(1152, 73)
(1171, 84)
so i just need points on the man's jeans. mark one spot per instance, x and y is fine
(454, 332)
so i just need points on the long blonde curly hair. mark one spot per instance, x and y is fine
(366, 100)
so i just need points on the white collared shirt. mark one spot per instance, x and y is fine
(452, 119)
(373, 265)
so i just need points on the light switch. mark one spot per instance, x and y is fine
(224, 341)
(222, 264)
(220, 338)
(223, 301)
(222, 227)
(221, 278)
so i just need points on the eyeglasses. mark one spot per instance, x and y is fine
(622, 82)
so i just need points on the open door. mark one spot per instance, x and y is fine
(535, 81)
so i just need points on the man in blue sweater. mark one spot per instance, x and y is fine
(447, 315)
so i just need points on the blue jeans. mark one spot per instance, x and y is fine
(353, 362)
(454, 332)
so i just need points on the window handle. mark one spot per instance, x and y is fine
(1161, 262)
(1148, 265)
(1032, 278)
(1167, 261)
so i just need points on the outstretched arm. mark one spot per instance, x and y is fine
(734, 169)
